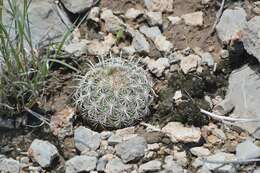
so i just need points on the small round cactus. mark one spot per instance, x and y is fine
(114, 93)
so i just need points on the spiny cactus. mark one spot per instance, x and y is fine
(114, 93)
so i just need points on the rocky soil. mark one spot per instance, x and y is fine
(205, 118)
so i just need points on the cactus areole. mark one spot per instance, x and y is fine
(114, 93)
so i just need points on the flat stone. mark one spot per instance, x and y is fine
(251, 37)
(154, 18)
(157, 67)
(150, 32)
(86, 139)
(151, 166)
(231, 23)
(174, 20)
(244, 94)
(77, 6)
(115, 139)
(117, 166)
(9, 165)
(132, 149)
(247, 150)
(43, 152)
(222, 157)
(139, 42)
(178, 133)
(193, 19)
(207, 58)
(94, 14)
(81, 164)
(159, 5)
(200, 151)
(113, 23)
(162, 44)
(189, 63)
(133, 13)
(171, 165)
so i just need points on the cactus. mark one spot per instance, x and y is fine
(114, 93)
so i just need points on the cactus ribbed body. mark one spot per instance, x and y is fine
(114, 93)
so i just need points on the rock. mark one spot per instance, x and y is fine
(251, 37)
(207, 58)
(247, 150)
(115, 139)
(230, 24)
(189, 63)
(178, 133)
(177, 96)
(171, 166)
(133, 13)
(159, 5)
(80, 164)
(200, 151)
(174, 20)
(139, 42)
(45, 24)
(129, 50)
(193, 19)
(105, 135)
(86, 139)
(97, 47)
(102, 162)
(180, 157)
(9, 165)
(162, 44)
(132, 149)
(244, 94)
(117, 166)
(222, 157)
(154, 165)
(43, 152)
(150, 32)
(153, 147)
(198, 162)
(204, 2)
(154, 18)
(94, 14)
(113, 24)
(78, 6)
(157, 67)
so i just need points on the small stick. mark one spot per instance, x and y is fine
(231, 162)
(40, 117)
(219, 14)
(222, 118)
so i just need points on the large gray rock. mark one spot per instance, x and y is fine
(154, 18)
(81, 164)
(247, 150)
(218, 167)
(77, 6)
(231, 23)
(45, 24)
(251, 37)
(43, 152)
(244, 93)
(131, 149)
(9, 165)
(117, 166)
(86, 139)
